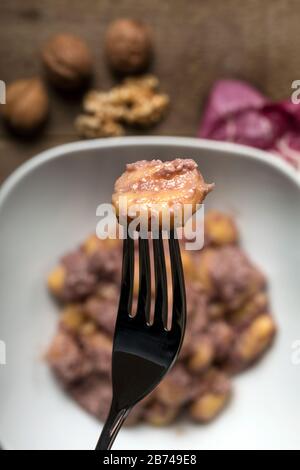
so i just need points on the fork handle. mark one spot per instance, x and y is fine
(111, 427)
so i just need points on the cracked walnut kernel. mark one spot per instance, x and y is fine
(136, 102)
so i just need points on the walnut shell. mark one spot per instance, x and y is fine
(128, 46)
(67, 60)
(27, 105)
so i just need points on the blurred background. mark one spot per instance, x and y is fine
(195, 42)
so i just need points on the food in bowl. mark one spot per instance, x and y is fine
(229, 326)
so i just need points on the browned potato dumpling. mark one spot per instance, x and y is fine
(202, 355)
(161, 187)
(92, 244)
(245, 314)
(220, 229)
(216, 310)
(56, 280)
(253, 341)
(203, 273)
(174, 389)
(188, 265)
(215, 396)
(256, 338)
(159, 414)
(208, 406)
(72, 317)
(88, 328)
(74, 279)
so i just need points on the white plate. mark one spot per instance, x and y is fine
(49, 205)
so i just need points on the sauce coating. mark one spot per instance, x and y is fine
(161, 186)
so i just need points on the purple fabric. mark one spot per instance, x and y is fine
(237, 112)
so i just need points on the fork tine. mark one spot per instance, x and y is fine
(179, 295)
(125, 304)
(161, 288)
(144, 300)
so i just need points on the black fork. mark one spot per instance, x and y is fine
(143, 353)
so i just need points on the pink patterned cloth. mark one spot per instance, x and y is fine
(237, 112)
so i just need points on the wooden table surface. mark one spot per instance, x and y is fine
(197, 41)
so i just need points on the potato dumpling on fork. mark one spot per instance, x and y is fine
(160, 188)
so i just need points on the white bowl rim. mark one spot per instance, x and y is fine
(58, 151)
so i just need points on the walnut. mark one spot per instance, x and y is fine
(27, 105)
(67, 61)
(128, 46)
(92, 127)
(136, 102)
